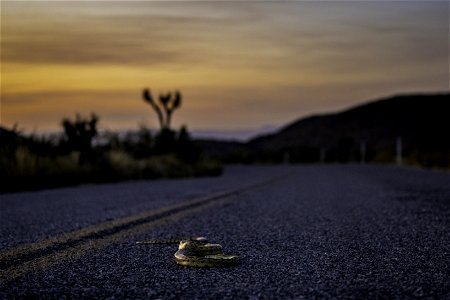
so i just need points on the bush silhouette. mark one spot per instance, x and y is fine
(79, 135)
(165, 141)
(186, 149)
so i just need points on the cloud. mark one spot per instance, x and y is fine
(255, 63)
(304, 37)
(75, 42)
(100, 33)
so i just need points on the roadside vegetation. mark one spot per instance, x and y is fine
(79, 154)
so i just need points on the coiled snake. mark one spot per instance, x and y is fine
(197, 252)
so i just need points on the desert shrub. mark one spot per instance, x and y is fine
(79, 135)
(208, 168)
(166, 166)
(30, 163)
(122, 165)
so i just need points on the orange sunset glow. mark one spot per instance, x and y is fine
(238, 64)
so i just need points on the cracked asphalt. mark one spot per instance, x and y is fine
(321, 231)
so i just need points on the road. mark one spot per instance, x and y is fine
(317, 231)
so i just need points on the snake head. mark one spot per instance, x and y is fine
(192, 241)
(183, 245)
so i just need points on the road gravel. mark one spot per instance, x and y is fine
(323, 231)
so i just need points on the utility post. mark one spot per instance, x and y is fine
(362, 150)
(322, 155)
(286, 157)
(398, 151)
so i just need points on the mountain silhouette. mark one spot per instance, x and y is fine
(421, 122)
(417, 119)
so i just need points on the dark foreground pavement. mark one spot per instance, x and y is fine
(317, 232)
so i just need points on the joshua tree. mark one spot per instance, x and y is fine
(164, 109)
(79, 134)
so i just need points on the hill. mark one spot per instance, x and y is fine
(372, 129)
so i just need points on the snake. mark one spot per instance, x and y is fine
(198, 252)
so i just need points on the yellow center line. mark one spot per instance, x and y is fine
(90, 230)
(108, 232)
(43, 262)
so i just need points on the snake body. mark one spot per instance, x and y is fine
(197, 252)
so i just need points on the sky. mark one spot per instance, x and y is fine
(240, 65)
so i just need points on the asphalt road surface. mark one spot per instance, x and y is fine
(334, 231)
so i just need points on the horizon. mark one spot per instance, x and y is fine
(264, 64)
(241, 135)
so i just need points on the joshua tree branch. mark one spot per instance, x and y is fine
(168, 117)
(164, 109)
(173, 105)
(164, 100)
(149, 99)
